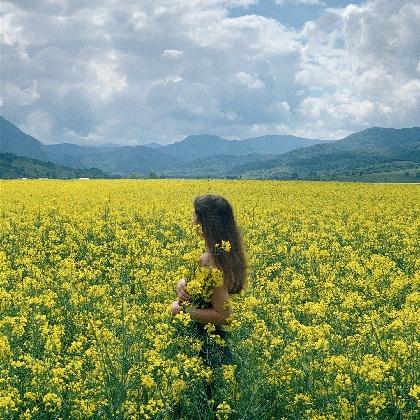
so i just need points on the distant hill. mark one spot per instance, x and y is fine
(382, 138)
(374, 154)
(171, 158)
(13, 140)
(107, 145)
(215, 166)
(356, 156)
(114, 160)
(276, 144)
(154, 145)
(13, 166)
(205, 145)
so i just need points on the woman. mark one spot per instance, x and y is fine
(215, 222)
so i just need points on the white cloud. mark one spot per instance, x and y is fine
(252, 82)
(362, 60)
(310, 2)
(107, 78)
(257, 36)
(107, 71)
(105, 61)
(139, 20)
(38, 123)
(173, 54)
(278, 110)
(19, 96)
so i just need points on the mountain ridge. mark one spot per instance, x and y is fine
(122, 160)
(373, 149)
(372, 146)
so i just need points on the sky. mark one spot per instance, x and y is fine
(139, 71)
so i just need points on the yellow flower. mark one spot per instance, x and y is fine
(178, 386)
(223, 411)
(376, 403)
(87, 270)
(183, 318)
(229, 373)
(202, 285)
(52, 401)
(415, 393)
(147, 381)
(226, 246)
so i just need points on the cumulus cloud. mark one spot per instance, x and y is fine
(38, 122)
(252, 82)
(362, 63)
(311, 2)
(20, 96)
(175, 54)
(103, 71)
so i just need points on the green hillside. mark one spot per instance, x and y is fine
(185, 157)
(13, 166)
(13, 140)
(374, 154)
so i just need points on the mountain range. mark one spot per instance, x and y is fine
(372, 154)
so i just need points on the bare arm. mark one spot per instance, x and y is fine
(219, 311)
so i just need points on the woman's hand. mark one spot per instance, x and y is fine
(181, 290)
(175, 307)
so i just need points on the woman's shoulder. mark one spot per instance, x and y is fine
(207, 260)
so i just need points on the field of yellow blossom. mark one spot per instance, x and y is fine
(328, 327)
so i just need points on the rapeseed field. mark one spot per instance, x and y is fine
(328, 326)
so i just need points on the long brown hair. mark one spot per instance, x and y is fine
(215, 215)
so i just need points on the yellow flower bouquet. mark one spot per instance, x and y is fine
(200, 281)
(200, 287)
